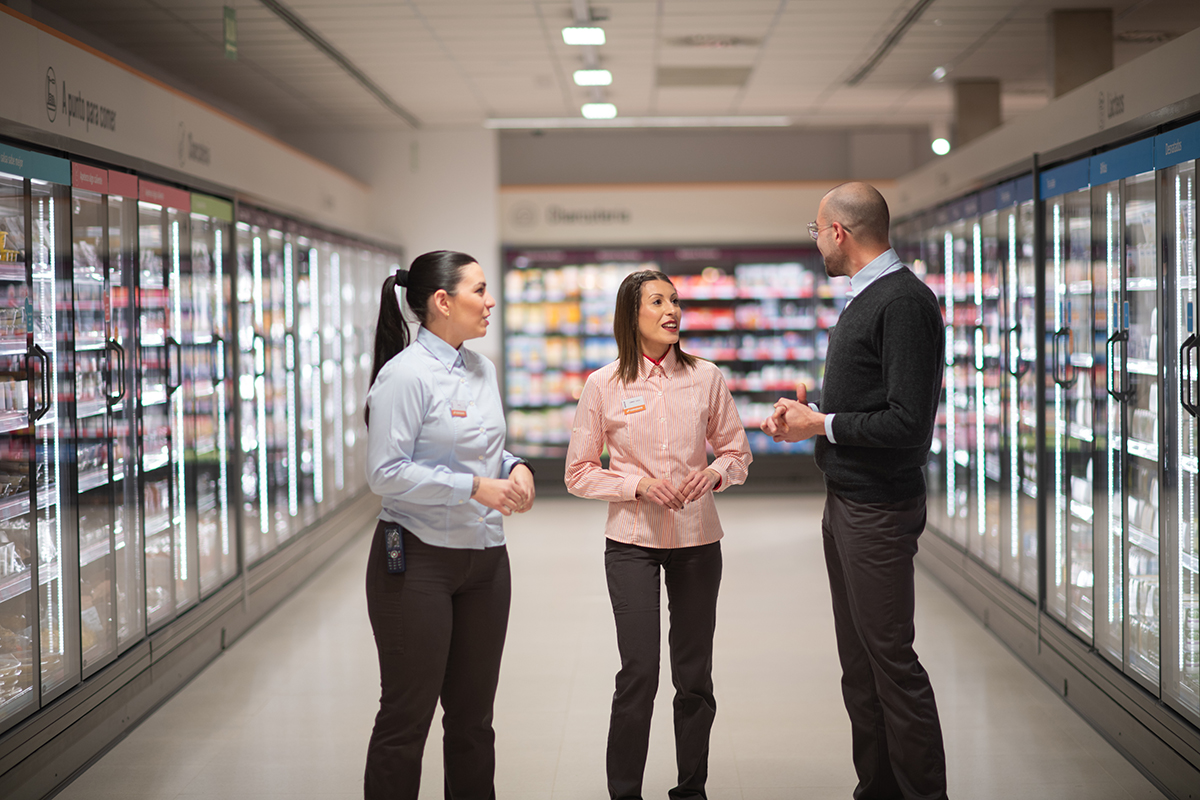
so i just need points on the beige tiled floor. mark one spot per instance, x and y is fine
(286, 712)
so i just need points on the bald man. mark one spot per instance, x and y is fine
(883, 378)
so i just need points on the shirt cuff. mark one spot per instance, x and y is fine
(629, 487)
(829, 428)
(461, 492)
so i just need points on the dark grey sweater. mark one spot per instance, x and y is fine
(883, 379)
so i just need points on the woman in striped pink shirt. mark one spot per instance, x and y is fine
(655, 408)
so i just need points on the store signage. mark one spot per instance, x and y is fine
(1175, 147)
(36, 166)
(74, 107)
(212, 207)
(1132, 159)
(167, 196)
(122, 184)
(560, 215)
(1068, 178)
(93, 179)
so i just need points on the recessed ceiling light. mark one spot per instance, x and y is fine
(593, 77)
(939, 74)
(599, 110)
(940, 146)
(590, 35)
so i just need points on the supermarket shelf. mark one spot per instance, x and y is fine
(157, 524)
(13, 346)
(17, 504)
(1142, 366)
(90, 408)
(1189, 464)
(1189, 562)
(13, 420)
(156, 462)
(1145, 541)
(16, 584)
(1142, 449)
(93, 552)
(93, 479)
(1082, 511)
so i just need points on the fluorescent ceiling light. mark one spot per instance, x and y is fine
(590, 35)
(592, 77)
(940, 146)
(599, 110)
(939, 74)
(546, 123)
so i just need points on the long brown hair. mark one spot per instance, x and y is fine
(625, 325)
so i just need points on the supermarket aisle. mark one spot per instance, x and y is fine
(287, 710)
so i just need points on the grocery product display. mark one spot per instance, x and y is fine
(166, 358)
(762, 314)
(1112, 491)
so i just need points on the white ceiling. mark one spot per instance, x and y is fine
(461, 62)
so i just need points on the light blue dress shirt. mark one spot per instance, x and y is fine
(883, 264)
(436, 423)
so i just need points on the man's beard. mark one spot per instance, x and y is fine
(835, 264)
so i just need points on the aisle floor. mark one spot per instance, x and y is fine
(287, 710)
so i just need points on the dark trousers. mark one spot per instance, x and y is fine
(439, 628)
(897, 738)
(693, 577)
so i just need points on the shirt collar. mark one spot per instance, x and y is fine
(439, 348)
(668, 364)
(883, 264)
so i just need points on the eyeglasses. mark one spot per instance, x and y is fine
(814, 229)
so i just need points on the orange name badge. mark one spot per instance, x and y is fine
(634, 404)
(457, 412)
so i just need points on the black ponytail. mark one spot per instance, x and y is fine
(441, 269)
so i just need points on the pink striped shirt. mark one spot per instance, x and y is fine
(656, 427)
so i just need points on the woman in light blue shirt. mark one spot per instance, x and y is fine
(438, 583)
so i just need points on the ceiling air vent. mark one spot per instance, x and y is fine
(714, 40)
(1144, 37)
(702, 76)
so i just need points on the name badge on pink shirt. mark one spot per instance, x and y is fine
(634, 404)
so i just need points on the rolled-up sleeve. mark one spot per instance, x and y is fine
(396, 412)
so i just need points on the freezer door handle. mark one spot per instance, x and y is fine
(218, 360)
(1017, 366)
(1121, 395)
(260, 355)
(1187, 374)
(174, 365)
(113, 346)
(1059, 356)
(39, 354)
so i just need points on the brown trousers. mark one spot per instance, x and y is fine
(896, 734)
(439, 628)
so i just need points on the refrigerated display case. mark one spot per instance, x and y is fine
(209, 418)
(1071, 402)
(164, 256)
(1019, 450)
(110, 551)
(37, 536)
(761, 314)
(1180, 609)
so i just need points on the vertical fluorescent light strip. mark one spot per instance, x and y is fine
(1059, 421)
(339, 456)
(1014, 400)
(980, 413)
(177, 452)
(1185, 429)
(260, 390)
(951, 445)
(289, 360)
(222, 439)
(318, 436)
(1115, 512)
(52, 349)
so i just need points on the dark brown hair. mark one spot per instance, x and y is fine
(429, 272)
(625, 325)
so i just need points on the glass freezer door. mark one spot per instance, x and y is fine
(308, 356)
(97, 381)
(1181, 624)
(252, 354)
(988, 379)
(1110, 527)
(208, 415)
(19, 401)
(1140, 317)
(1019, 563)
(1070, 428)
